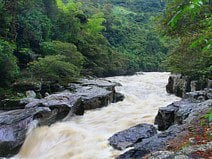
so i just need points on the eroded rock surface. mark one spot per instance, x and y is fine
(80, 96)
(129, 137)
(13, 127)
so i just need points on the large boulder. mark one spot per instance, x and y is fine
(96, 93)
(178, 85)
(13, 127)
(177, 112)
(155, 143)
(63, 103)
(166, 117)
(129, 137)
(94, 97)
(199, 95)
(110, 86)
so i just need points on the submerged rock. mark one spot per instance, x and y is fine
(129, 137)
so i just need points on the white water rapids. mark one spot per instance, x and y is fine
(85, 137)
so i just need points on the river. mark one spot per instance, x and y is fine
(85, 137)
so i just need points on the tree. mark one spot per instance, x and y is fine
(52, 68)
(190, 21)
(8, 63)
(94, 25)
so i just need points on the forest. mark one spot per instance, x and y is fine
(59, 41)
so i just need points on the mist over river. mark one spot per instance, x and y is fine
(85, 137)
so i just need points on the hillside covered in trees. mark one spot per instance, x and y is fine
(60, 41)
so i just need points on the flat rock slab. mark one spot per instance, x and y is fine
(97, 82)
(129, 137)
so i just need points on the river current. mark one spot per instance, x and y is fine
(85, 137)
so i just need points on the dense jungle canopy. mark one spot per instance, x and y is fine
(63, 40)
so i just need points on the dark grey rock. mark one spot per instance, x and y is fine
(199, 95)
(160, 155)
(25, 86)
(118, 97)
(94, 97)
(178, 85)
(64, 102)
(179, 111)
(11, 104)
(13, 128)
(133, 154)
(129, 137)
(99, 83)
(157, 142)
(166, 117)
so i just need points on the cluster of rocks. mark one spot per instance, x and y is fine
(180, 85)
(172, 121)
(16, 116)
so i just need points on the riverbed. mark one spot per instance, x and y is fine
(85, 137)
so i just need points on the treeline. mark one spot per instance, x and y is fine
(190, 22)
(62, 40)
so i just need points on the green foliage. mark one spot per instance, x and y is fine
(68, 50)
(70, 6)
(8, 63)
(190, 20)
(53, 68)
(34, 25)
(94, 25)
(67, 25)
(208, 115)
(60, 40)
(130, 30)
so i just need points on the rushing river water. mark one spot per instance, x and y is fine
(85, 137)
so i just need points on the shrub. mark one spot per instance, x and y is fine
(53, 68)
(66, 49)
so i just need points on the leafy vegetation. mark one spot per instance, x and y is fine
(190, 22)
(62, 40)
(8, 63)
(54, 69)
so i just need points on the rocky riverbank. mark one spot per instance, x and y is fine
(180, 85)
(174, 122)
(16, 116)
